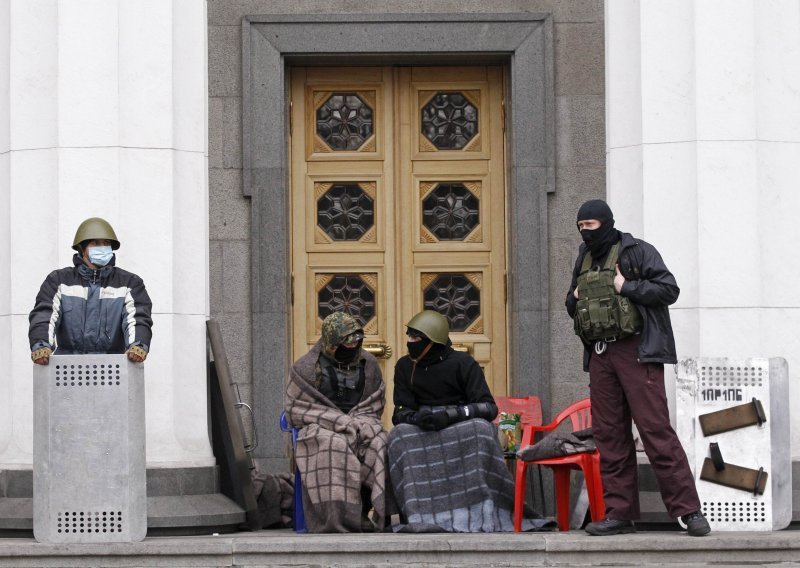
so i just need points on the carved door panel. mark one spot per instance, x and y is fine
(398, 204)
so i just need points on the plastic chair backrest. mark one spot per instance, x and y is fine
(284, 424)
(579, 413)
(529, 407)
(299, 514)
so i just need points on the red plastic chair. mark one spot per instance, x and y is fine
(580, 415)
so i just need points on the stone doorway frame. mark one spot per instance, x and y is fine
(270, 44)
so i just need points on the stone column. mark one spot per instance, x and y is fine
(103, 113)
(703, 146)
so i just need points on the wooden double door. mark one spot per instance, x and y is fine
(398, 205)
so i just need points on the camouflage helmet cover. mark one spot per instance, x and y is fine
(95, 228)
(336, 327)
(433, 324)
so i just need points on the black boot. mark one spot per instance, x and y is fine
(608, 527)
(696, 524)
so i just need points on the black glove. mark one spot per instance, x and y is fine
(433, 420)
(420, 417)
(404, 416)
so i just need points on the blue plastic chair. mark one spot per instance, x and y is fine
(299, 515)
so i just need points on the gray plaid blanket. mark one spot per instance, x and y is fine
(559, 444)
(337, 453)
(454, 480)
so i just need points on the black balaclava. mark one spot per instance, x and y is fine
(415, 348)
(347, 354)
(599, 240)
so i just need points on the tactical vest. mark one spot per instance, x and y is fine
(601, 313)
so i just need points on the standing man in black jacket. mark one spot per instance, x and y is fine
(92, 306)
(626, 372)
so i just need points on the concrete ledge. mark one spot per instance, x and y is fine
(193, 514)
(179, 501)
(285, 548)
(211, 512)
(160, 481)
(16, 513)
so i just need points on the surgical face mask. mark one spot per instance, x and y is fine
(100, 256)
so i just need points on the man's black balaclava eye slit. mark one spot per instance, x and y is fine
(599, 240)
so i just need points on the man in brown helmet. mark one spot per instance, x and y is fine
(92, 306)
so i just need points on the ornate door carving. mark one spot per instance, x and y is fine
(398, 204)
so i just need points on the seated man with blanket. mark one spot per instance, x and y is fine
(335, 396)
(445, 461)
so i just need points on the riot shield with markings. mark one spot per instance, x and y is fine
(733, 422)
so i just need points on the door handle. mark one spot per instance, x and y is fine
(463, 347)
(380, 350)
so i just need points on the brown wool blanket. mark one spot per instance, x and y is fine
(338, 453)
(274, 496)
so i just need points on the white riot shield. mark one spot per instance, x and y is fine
(89, 481)
(707, 385)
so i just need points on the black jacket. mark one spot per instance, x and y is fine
(651, 287)
(454, 378)
(80, 310)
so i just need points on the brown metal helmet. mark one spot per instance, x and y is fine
(433, 324)
(95, 229)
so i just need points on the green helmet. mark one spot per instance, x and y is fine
(433, 324)
(336, 327)
(95, 228)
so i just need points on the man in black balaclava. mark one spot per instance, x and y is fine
(600, 235)
(626, 376)
(447, 468)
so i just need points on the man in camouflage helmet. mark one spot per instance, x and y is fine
(92, 306)
(341, 339)
(335, 396)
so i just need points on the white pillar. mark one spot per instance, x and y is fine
(703, 156)
(103, 113)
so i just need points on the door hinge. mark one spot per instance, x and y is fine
(505, 287)
(503, 114)
(290, 118)
(291, 291)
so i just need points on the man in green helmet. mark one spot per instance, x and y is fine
(445, 462)
(92, 306)
(335, 395)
